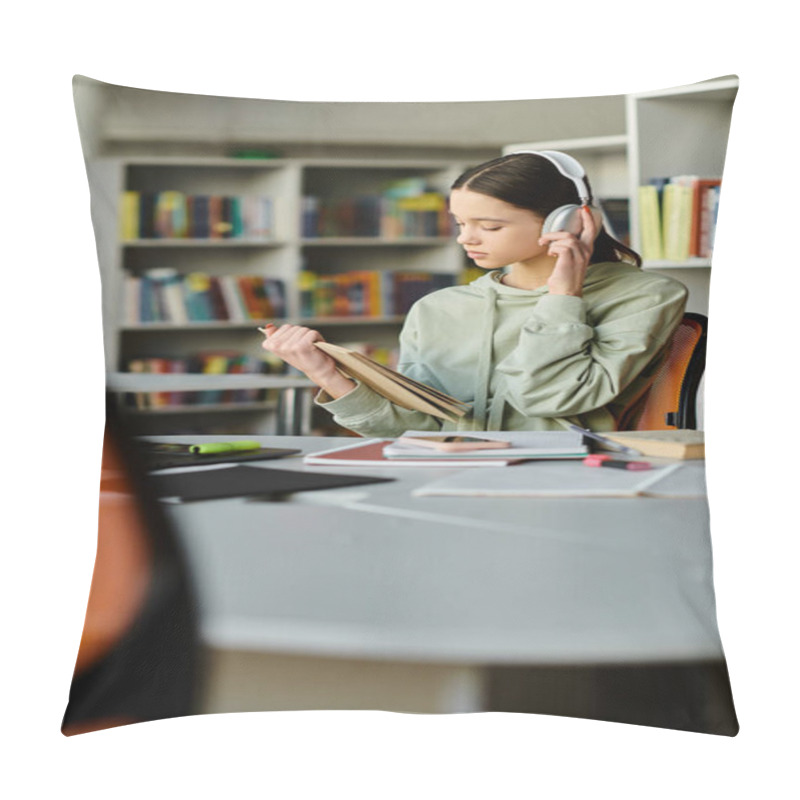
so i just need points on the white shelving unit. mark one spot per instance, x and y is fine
(281, 256)
(679, 131)
(605, 159)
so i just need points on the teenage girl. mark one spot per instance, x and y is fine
(564, 327)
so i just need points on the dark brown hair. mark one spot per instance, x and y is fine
(532, 182)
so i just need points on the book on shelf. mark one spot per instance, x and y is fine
(171, 214)
(408, 287)
(129, 215)
(146, 400)
(678, 217)
(176, 366)
(407, 208)
(223, 362)
(213, 364)
(163, 294)
(166, 300)
(232, 299)
(393, 385)
(676, 223)
(705, 228)
(145, 225)
(616, 217)
(171, 219)
(197, 296)
(366, 293)
(650, 223)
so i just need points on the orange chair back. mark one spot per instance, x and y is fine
(670, 402)
(123, 563)
(139, 653)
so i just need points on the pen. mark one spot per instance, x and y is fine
(607, 461)
(619, 448)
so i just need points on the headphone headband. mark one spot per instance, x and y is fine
(568, 166)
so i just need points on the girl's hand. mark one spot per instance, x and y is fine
(572, 256)
(294, 344)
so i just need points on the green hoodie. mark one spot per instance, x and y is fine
(526, 359)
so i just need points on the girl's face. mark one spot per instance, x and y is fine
(494, 233)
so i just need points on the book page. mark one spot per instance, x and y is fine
(404, 379)
(406, 392)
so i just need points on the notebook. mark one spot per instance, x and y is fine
(156, 459)
(370, 453)
(525, 445)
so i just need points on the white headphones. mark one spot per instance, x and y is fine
(567, 218)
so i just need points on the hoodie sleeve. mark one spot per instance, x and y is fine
(368, 413)
(571, 359)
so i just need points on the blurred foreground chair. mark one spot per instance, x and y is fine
(671, 401)
(138, 658)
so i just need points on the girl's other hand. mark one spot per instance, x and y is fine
(573, 254)
(294, 344)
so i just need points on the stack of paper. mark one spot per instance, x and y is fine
(570, 479)
(525, 445)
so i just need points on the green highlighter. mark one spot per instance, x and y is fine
(206, 449)
(223, 447)
(165, 455)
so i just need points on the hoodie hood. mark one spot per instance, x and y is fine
(596, 274)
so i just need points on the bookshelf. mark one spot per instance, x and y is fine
(679, 131)
(407, 243)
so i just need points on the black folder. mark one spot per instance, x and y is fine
(243, 481)
(156, 459)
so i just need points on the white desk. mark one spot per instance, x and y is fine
(366, 597)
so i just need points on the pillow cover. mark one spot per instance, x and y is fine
(215, 215)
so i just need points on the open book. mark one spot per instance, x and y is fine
(395, 387)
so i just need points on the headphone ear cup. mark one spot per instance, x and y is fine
(564, 218)
(568, 218)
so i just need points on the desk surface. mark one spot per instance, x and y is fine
(372, 572)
